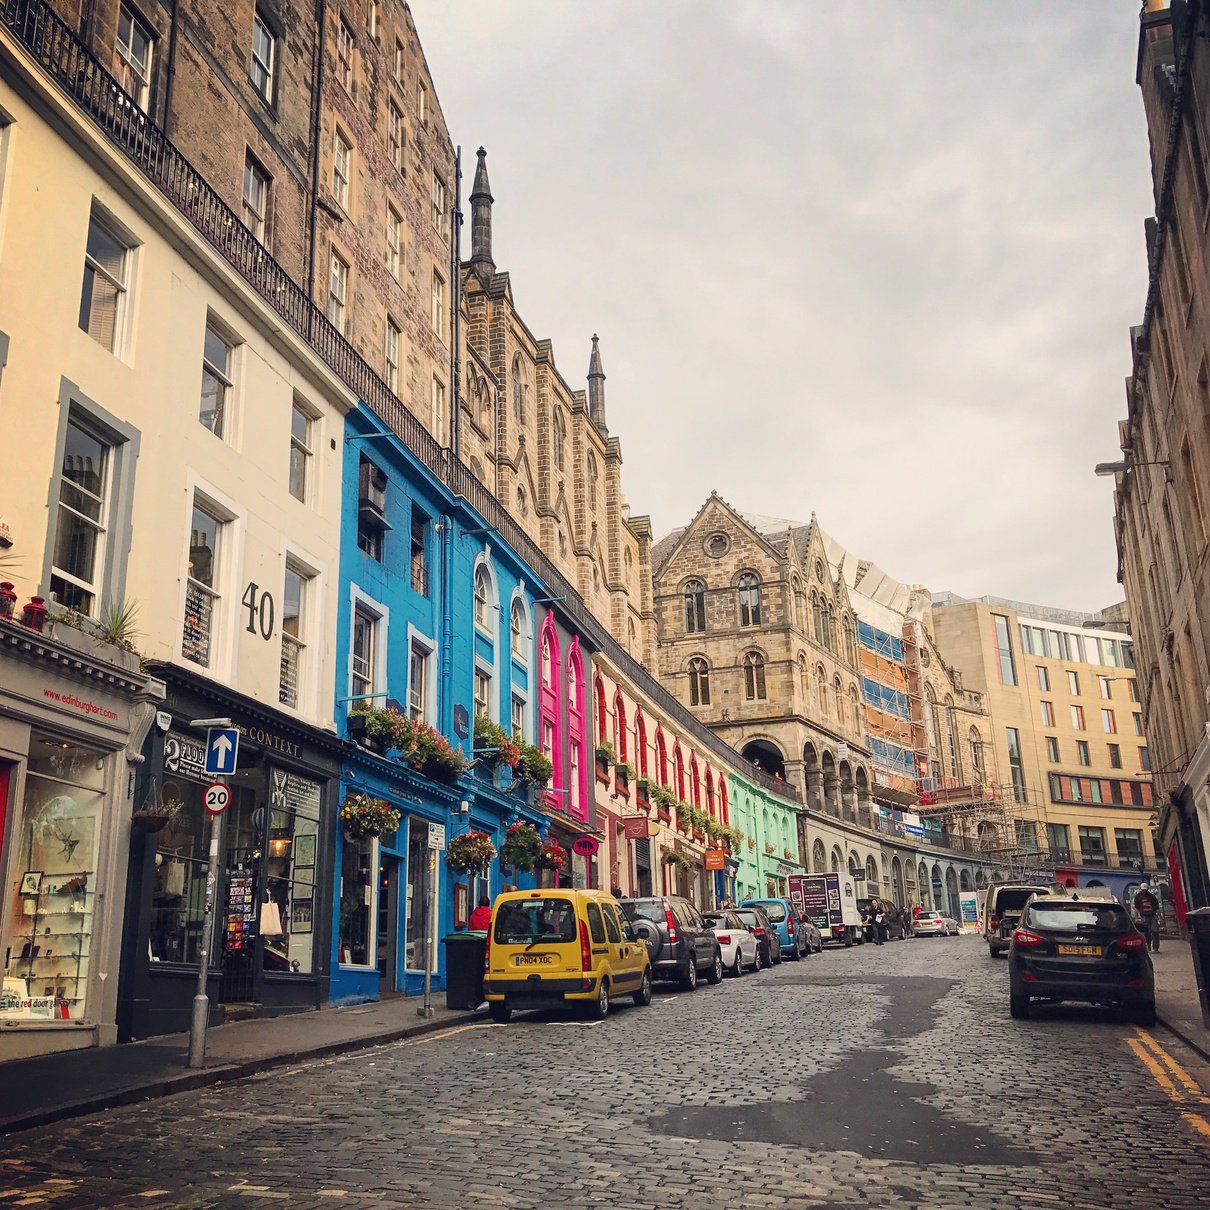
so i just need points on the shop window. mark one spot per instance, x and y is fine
(54, 885)
(356, 895)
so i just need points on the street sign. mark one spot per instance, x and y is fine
(437, 836)
(222, 749)
(216, 798)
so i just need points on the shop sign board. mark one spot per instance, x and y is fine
(585, 846)
(185, 756)
(635, 827)
(437, 836)
(716, 859)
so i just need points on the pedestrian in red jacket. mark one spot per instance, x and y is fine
(481, 917)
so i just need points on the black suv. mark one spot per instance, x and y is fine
(681, 944)
(1080, 949)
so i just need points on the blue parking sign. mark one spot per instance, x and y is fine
(222, 750)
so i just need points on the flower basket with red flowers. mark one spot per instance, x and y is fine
(493, 745)
(553, 856)
(363, 815)
(434, 756)
(522, 846)
(470, 853)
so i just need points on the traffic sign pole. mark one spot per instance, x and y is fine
(201, 1001)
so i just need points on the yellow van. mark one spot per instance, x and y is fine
(551, 947)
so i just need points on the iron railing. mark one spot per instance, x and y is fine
(98, 93)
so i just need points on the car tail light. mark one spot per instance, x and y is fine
(1026, 939)
(1133, 942)
(758, 931)
(585, 951)
(994, 922)
(672, 937)
(487, 952)
(790, 925)
(723, 938)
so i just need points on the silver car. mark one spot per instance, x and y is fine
(935, 924)
(739, 947)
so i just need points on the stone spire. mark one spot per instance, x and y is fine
(481, 215)
(596, 388)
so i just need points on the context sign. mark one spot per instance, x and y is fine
(585, 846)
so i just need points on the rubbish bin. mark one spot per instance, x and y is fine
(465, 954)
(1198, 924)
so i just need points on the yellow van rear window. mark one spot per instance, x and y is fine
(521, 922)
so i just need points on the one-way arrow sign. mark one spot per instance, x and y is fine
(222, 749)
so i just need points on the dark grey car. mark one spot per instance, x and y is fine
(680, 943)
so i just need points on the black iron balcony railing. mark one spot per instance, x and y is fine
(72, 66)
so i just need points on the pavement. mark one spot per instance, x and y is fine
(49, 1088)
(1176, 1000)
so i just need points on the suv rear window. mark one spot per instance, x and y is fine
(646, 909)
(1109, 917)
(526, 920)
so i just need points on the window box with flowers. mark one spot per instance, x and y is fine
(493, 745)
(434, 756)
(770, 849)
(381, 731)
(664, 802)
(623, 775)
(363, 816)
(470, 853)
(642, 794)
(522, 847)
(787, 854)
(532, 772)
(605, 758)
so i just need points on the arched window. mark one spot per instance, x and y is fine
(722, 800)
(592, 481)
(522, 503)
(640, 742)
(548, 661)
(598, 687)
(821, 679)
(793, 602)
(710, 792)
(695, 780)
(699, 682)
(518, 389)
(661, 756)
(619, 725)
(678, 771)
(829, 626)
(850, 642)
(695, 606)
(855, 707)
(754, 676)
(518, 631)
(819, 857)
(558, 434)
(749, 600)
(838, 698)
(483, 593)
(816, 618)
(573, 682)
(951, 738)
(562, 543)
(804, 681)
(930, 719)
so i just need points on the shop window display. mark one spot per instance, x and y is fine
(54, 886)
(356, 895)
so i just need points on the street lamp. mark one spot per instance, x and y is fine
(1106, 469)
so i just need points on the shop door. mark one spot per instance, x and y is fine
(244, 842)
(388, 924)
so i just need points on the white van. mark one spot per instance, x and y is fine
(1002, 910)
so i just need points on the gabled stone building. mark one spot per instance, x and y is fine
(758, 638)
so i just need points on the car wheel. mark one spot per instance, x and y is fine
(689, 978)
(738, 968)
(794, 954)
(715, 974)
(600, 1006)
(1143, 1014)
(1018, 1007)
(643, 996)
(992, 951)
(501, 1013)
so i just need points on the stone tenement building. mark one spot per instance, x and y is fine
(1161, 502)
(758, 638)
(330, 146)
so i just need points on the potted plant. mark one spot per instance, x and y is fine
(493, 745)
(770, 849)
(623, 774)
(553, 856)
(642, 793)
(383, 731)
(605, 758)
(664, 802)
(434, 756)
(522, 846)
(534, 768)
(363, 815)
(470, 853)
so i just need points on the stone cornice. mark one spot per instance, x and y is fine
(63, 655)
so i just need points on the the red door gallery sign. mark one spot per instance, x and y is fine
(586, 846)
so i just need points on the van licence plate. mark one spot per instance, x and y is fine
(535, 959)
(1091, 951)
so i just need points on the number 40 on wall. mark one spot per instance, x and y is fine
(261, 611)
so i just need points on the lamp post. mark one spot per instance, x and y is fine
(1107, 469)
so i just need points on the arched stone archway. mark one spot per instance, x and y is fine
(872, 881)
(766, 755)
(854, 863)
(937, 888)
(819, 857)
(980, 879)
(924, 885)
(898, 891)
(837, 862)
(813, 778)
(865, 814)
(964, 880)
(951, 894)
(831, 784)
(848, 792)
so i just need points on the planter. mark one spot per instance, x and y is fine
(602, 771)
(641, 799)
(149, 821)
(664, 815)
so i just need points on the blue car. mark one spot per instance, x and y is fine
(792, 933)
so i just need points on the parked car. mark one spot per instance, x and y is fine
(1002, 909)
(814, 936)
(761, 927)
(892, 923)
(787, 920)
(681, 944)
(556, 947)
(935, 924)
(1087, 950)
(739, 947)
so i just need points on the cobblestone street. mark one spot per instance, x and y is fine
(868, 1077)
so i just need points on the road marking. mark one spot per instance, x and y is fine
(1195, 1120)
(1157, 1072)
(1198, 1123)
(1191, 1085)
(445, 1033)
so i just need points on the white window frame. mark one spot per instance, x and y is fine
(141, 73)
(259, 226)
(267, 66)
(393, 335)
(303, 447)
(224, 428)
(342, 170)
(526, 632)
(338, 300)
(362, 602)
(439, 202)
(426, 702)
(308, 592)
(438, 409)
(346, 50)
(437, 309)
(515, 701)
(101, 524)
(483, 672)
(394, 242)
(227, 558)
(395, 139)
(120, 282)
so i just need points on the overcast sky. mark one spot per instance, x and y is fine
(872, 260)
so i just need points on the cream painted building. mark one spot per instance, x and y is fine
(192, 444)
(1067, 727)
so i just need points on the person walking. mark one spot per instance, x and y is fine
(876, 921)
(481, 917)
(1147, 915)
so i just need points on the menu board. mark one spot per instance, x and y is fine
(241, 910)
(185, 756)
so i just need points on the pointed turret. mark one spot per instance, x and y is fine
(596, 388)
(481, 215)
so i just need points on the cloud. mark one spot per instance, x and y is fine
(878, 261)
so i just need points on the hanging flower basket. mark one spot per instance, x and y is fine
(434, 756)
(522, 847)
(363, 815)
(553, 856)
(470, 853)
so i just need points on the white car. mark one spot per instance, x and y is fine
(739, 947)
(935, 924)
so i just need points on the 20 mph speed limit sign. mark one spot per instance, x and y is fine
(217, 797)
